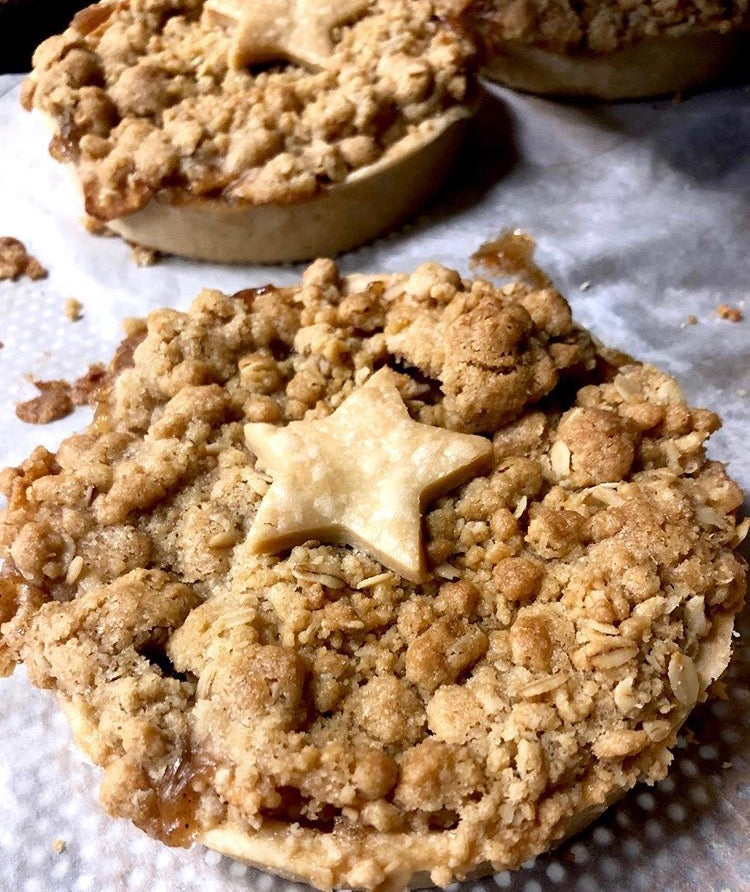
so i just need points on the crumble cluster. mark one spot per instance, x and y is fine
(143, 99)
(564, 26)
(15, 261)
(580, 599)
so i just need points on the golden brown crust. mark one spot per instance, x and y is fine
(312, 711)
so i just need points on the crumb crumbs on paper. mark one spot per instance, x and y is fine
(584, 286)
(73, 308)
(733, 314)
(59, 846)
(143, 256)
(53, 403)
(692, 320)
(59, 398)
(15, 261)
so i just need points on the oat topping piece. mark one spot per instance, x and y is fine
(361, 476)
(313, 711)
(282, 30)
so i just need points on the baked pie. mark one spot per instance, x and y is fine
(269, 131)
(608, 49)
(375, 580)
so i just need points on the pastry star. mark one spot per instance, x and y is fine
(359, 477)
(282, 30)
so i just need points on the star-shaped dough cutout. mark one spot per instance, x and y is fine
(360, 477)
(282, 30)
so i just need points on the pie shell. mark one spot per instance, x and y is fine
(655, 66)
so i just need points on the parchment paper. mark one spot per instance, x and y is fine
(641, 213)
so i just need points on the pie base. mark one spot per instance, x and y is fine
(372, 201)
(656, 66)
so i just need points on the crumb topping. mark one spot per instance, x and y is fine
(576, 606)
(145, 101)
(15, 261)
(597, 27)
(73, 309)
(732, 314)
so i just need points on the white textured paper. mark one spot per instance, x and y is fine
(647, 202)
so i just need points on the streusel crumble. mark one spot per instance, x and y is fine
(311, 710)
(601, 27)
(15, 261)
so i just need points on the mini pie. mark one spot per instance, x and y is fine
(610, 49)
(262, 131)
(182, 575)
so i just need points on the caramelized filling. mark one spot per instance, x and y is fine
(179, 796)
(510, 254)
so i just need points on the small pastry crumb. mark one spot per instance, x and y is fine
(59, 398)
(733, 314)
(59, 846)
(15, 261)
(52, 404)
(143, 256)
(73, 309)
(584, 286)
(692, 320)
